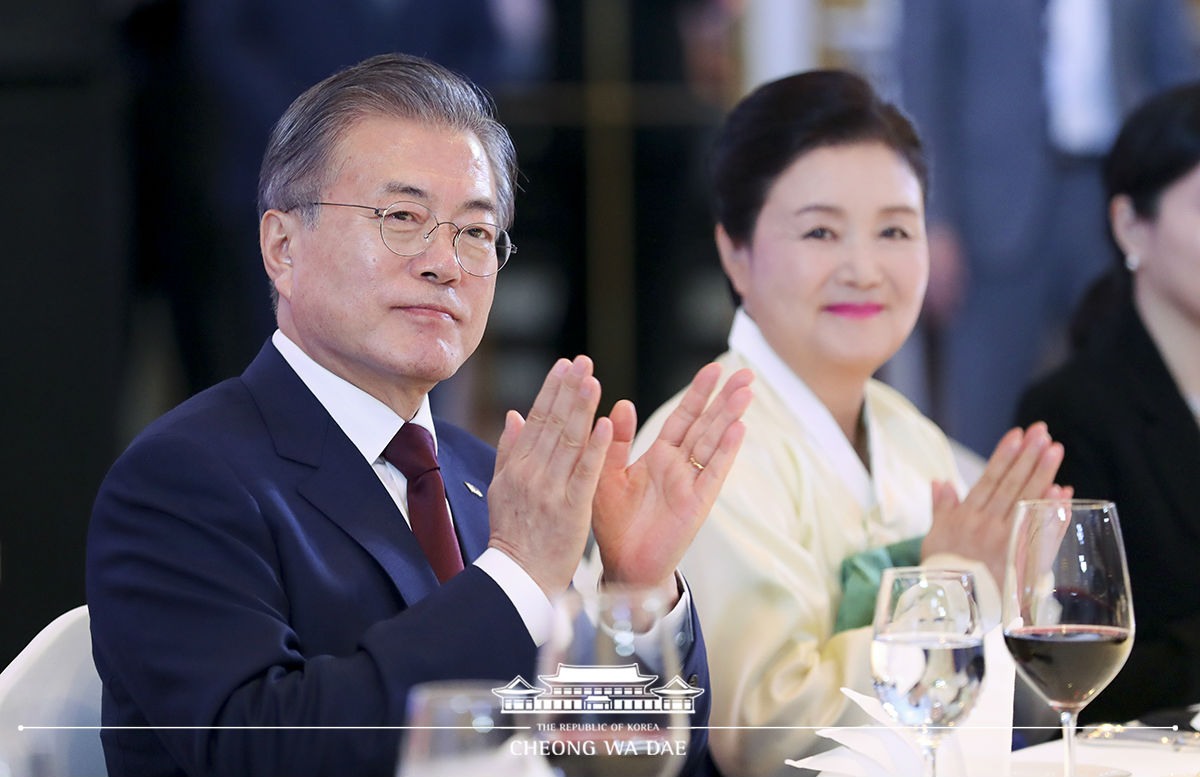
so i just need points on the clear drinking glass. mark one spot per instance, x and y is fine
(1067, 611)
(927, 654)
(610, 698)
(456, 728)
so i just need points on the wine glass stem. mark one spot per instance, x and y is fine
(929, 754)
(1069, 719)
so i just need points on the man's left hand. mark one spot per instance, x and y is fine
(645, 514)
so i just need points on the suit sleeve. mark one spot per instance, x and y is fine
(695, 672)
(190, 624)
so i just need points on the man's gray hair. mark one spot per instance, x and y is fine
(296, 168)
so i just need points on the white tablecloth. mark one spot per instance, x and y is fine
(1141, 759)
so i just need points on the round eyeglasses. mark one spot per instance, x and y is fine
(407, 229)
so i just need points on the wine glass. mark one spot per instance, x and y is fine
(455, 728)
(927, 654)
(1067, 612)
(610, 699)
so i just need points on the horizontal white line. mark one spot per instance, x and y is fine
(261, 728)
(528, 728)
(903, 728)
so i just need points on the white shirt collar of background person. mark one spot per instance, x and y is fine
(1080, 86)
(747, 339)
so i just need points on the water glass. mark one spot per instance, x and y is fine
(927, 653)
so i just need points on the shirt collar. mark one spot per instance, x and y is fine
(368, 423)
(747, 339)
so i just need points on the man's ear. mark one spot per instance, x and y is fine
(735, 260)
(276, 235)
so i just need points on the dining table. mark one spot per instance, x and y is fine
(1138, 753)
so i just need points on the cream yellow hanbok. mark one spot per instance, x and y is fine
(765, 568)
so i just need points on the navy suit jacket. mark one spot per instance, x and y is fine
(247, 568)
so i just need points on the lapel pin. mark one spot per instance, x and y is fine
(474, 489)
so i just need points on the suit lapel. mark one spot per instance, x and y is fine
(349, 493)
(342, 485)
(466, 490)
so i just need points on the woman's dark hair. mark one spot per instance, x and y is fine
(1158, 145)
(778, 122)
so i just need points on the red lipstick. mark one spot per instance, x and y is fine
(854, 309)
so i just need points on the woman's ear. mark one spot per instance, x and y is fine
(735, 260)
(1128, 228)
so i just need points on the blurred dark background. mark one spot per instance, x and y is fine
(130, 137)
(65, 212)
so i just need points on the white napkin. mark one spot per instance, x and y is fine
(980, 747)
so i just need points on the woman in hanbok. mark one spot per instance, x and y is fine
(819, 198)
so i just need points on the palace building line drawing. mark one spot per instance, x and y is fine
(597, 688)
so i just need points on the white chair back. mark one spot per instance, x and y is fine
(53, 682)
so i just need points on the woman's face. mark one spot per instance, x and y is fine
(835, 272)
(1169, 249)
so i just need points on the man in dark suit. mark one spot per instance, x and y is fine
(262, 558)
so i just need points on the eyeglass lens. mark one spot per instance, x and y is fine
(409, 227)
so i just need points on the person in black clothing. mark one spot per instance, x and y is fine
(1127, 404)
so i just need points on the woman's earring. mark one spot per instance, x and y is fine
(1132, 262)
(288, 260)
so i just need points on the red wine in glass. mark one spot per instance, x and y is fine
(1069, 664)
(1067, 608)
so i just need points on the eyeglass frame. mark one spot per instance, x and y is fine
(381, 212)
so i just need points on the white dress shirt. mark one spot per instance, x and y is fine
(371, 425)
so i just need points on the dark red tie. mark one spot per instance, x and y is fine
(411, 451)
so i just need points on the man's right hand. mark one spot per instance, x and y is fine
(547, 467)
